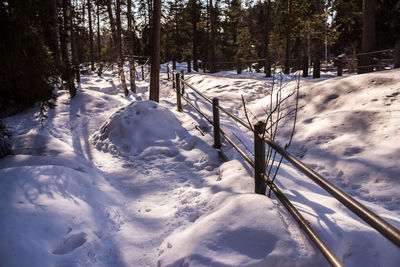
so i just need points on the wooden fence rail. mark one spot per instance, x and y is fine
(382, 59)
(262, 181)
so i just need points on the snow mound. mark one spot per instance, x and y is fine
(246, 230)
(53, 216)
(348, 128)
(135, 127)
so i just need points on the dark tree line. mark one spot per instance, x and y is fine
(43, 43)
(292, 33)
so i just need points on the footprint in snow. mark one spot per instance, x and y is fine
(351, 151)
(70, 243)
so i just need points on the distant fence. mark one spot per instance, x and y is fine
(261, 178)
(143, 63)
(380, 60)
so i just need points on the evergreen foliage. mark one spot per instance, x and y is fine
(27, 69)
(32, 60)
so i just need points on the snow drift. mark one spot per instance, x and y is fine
(244, 230)
(137, 126)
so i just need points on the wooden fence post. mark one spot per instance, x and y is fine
(142, 72)
(178, 92)
(167, 71)
(182, 78)
(259, 159)
(340, 66)
(217, 133)
(173, 80)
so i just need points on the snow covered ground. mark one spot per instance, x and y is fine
(122, 181)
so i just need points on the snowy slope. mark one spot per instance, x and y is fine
(116, 181)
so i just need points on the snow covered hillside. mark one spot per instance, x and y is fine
(122, 181)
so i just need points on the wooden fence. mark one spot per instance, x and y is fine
(382, 60)
(262, 181)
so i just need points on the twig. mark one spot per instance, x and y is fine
(245, 112)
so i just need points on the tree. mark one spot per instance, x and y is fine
(58, 53)
(267, 65)
(131, 42)
(288, 37)
(316, 40)
(98, 38)
(230, 45)
(75, 57)
(27, 71)
(347, 23)
(155, 52)
(89, 7)
(194, 34)
(387, 24)
(68, 73)
(212, 60)
(116, 33)
(366, 61)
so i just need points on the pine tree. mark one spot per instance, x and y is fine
(194, 20)
(69, 73)
(212, 60)
(316, 40)
(131, 43)
(98, 38)
(56, 29)
(288, 37)
(27, 70)
(116, 33)
(89, 7)
(267, 65)
(366, 61)
(75, 56)
(155, 53)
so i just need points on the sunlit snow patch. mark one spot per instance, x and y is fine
(137, 126)
(246, 230)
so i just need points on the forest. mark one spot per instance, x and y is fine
(49, 43)
(200, 133)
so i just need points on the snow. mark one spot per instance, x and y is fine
(123, 181)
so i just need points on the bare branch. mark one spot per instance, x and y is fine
(247, 116)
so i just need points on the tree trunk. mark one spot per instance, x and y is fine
(365, 62)
(83, 12)
(189, 67)
(304, 57)
(305, 53)
(288, 41)
(317, 42)
(397, 53)
(131, 34)
(98, 40)
(267, 65)
(155, 53)
(98, 33)
(119, 49)
(69, 73)
(194, 32)
(212, 39)
(317, 59)
(75, 59)
(89, 7)
(116, 33)
(57, 34)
